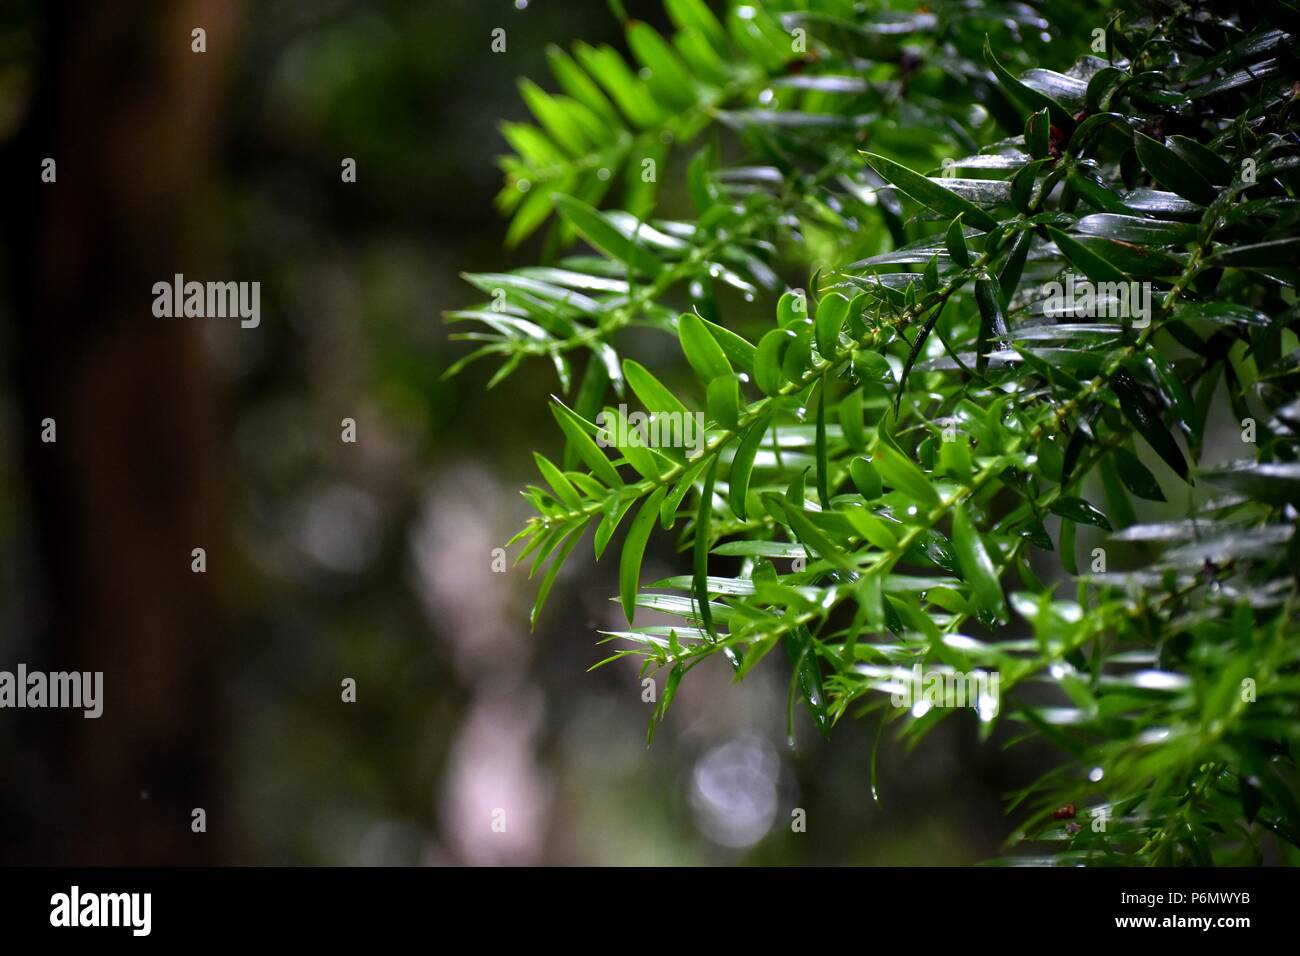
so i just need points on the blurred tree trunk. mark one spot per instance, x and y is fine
(131, 115)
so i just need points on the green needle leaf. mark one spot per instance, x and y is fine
(700, 580)
(823, 466)
(629, 565)
(742, 464)
(653, 394)
(597, 230)
(929, 193)
(548, 579)
(564, 489)
(900, 473)
(976, 565)
(701, 349)
(585, 446)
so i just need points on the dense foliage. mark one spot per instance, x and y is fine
(915, 453)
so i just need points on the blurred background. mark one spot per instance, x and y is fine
(329, 560)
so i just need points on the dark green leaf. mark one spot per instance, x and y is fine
(807, 675)
(1026, 96)
(1038, 134)
(1094, 266)
(956, 243)
(1139, 410)
(1172, 171)
(1137, 478)
(823, 465)
(1278, 253)
(993, 324)
(1205, 161)
(1080, 512)
(811, 535)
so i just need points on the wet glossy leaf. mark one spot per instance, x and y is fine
(1277, 482)
(1278, 253)
(597, 230)
(700, 577)
(1135, 229)
(807, 675)
(1038, 134)
(1086, 260)
(1172, 171)
(929, 193)
(993, 324)
(1080, 511)
(1026, 96)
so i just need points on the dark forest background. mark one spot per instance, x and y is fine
(328, 560)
